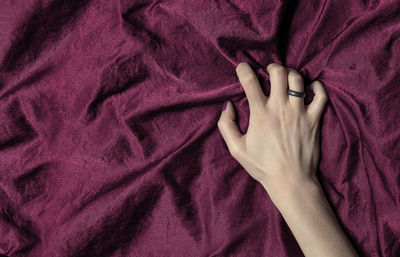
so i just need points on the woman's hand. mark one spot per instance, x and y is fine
(281, 151)
(281, 146)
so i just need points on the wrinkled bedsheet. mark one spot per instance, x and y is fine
(109, 143)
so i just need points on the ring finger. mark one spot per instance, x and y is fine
(295, 82)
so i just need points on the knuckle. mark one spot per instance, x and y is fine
(295, 77)
(249, 78)
(234, 151)
(319, 83)
(317, 86)
(323, 97)
(277, 69)
(240, 66)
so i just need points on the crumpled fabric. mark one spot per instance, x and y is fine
(109, 143)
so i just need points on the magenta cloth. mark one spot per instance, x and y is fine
(109, 144)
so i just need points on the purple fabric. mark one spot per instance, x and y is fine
(109, 143)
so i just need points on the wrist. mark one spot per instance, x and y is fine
(286, 191)
(308, 214)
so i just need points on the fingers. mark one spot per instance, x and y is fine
(229, 129)
(296, 83)
(251, 85)
(279, 80)
(317, 106)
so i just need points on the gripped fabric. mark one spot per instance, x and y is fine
(109, 143)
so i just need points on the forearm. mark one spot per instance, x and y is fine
(311, 220)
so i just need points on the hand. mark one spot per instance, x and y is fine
(281, 146)
(281, 151)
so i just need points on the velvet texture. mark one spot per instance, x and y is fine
(109, 143)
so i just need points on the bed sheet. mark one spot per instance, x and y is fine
(109, 143)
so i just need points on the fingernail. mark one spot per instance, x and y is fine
(224, 106)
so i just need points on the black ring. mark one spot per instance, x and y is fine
(296, 94)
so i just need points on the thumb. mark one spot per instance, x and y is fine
(229, 129)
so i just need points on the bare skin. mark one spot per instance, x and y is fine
(281, 151)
